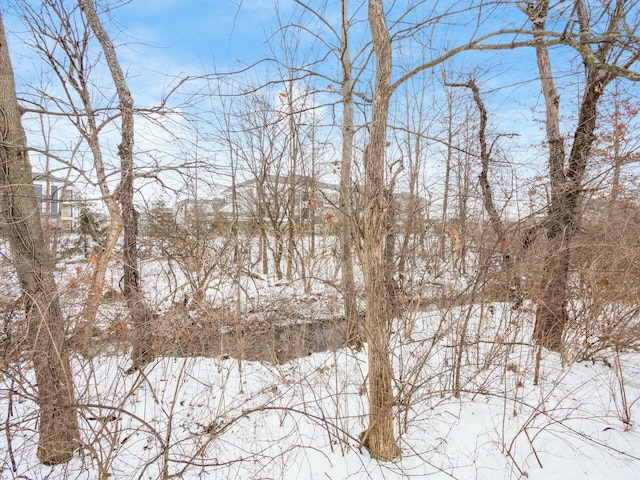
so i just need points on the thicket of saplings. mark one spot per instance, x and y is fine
(208, 278)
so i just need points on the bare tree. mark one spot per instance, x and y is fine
(616, 146)
(604, 60)
(497, 224)
(347, 128)
(58, 423)
(413, 159)
(379, 437)
(140, 312)
(259, 141)
(346, 208)
(62, 39)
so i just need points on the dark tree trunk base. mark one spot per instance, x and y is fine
(549, 327)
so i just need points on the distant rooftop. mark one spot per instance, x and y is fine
(47, 176)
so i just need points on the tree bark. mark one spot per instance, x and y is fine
(379, 437)
(353, 336)
(551, 313)
(447, 178)
(59, 436)
(566, 181)
(293, 187)
(140, 314)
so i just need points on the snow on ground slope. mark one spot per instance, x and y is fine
(213, 418)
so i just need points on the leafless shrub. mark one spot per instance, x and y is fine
(606, 286)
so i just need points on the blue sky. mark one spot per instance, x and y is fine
(157, 42)
(196, 34)
(160, 41)
(159, 38)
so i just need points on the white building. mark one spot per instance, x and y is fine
(55, 200)
(312, 199)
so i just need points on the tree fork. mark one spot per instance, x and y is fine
(566, 180)
(141, 316)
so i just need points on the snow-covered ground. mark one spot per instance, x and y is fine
(214, 418)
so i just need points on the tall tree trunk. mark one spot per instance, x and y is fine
(311, 201)
(551, 313)
(58, 423)
(291, 223)
(379, 437)
(94, 297)
(447, 178)
(413, 212)
(617, 158)
(346, 208)
(101, 260)
(293, 186)
(138, 309)
(463, 173)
